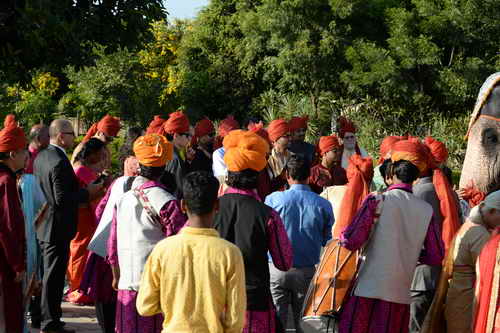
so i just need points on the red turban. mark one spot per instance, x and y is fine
(277, 129)
(327, 143)
(297, 123)
(177, 123)
(258, 128)
(245, 150)
(153, 150)
(359, 174)
(227, 125)
(203, 127)
(108, 125)
(386, 145)
(438, 150)
(156, 126)
(345, 125)
(12, 136)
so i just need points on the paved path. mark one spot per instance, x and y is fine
(80, 318)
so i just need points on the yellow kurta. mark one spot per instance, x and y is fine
(197, 280)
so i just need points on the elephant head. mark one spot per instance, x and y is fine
(481, 167)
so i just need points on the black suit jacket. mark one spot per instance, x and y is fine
(63, 193)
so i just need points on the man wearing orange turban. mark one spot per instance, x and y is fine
(279, 133)
(204, 132)
(13, 156)
(180, 133)
(347, 132)
(328, 172)
(394, 227)
(143, 217)
(248, 223)
(385, 151)
(297, 144)
(105, 130)
(219, 167)
(156, 126)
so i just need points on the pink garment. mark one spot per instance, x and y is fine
(31, 160)
(131, 167)
(85, 175)
(280, 249)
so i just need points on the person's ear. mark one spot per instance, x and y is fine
(183, 206)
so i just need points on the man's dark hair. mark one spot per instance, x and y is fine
(90, 147)
(448, 174)
(167, 179)
(298, 167)
(384, 168)
(200, 189)
(149, 172)
(170, 137)
(405, 171)
(243, 180)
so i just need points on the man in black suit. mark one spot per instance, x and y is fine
(60, 186)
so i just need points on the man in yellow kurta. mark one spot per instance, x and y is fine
(195, 278)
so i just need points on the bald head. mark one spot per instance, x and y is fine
(61, 133)
(39, 136)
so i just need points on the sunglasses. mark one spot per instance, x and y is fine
(187, 135)
(349, 137)
(68, 133)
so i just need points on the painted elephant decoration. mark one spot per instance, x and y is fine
(481, 169)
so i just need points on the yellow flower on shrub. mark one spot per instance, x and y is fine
(46, 83)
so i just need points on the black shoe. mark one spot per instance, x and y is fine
(36, 324)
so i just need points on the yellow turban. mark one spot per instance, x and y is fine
(245, 150)
(153, 150)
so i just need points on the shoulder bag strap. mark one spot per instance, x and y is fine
(146, 204)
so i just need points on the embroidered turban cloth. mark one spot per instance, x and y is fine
(277, 129)
(328, 143)
(177, 123)
(359, 175)
(438, 150)
(12, 136)
(245, 150)
(153, 150)
(108, 125)
(345, 125)
(156, 126)
(297, 123)
(203, 127)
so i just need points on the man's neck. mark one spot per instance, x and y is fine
(196, 221)
(8, 164)
(34, 146)
(297, 182)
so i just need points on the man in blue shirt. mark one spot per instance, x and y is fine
(308, 220)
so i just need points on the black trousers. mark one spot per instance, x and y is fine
(420, 303)
(105, 313)
(55, 258)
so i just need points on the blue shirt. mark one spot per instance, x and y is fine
(308, 220)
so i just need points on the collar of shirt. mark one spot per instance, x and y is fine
(404, 187)
(199, 231)
(250, 193)
(300, 187)
(425, 180)
(151, 183)
(61, 148)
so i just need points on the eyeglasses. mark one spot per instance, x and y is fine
(187, 135)
(69, 133)
(349, 137)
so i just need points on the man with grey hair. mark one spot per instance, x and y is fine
(61, 189)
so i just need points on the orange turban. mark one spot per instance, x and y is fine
(258, 128)
(327, 143)
(345, 125)
(12, 136)
(153, 150)
(297, 123)
(227, 125)
(177, 123)
(204, 127)
(156, 126)
(108, 125)
(412, 151)
(245, 150)
(386, 145)
(438, 150)
(359, 174)
(277, 129)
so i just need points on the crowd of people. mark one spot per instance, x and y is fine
(206, 229)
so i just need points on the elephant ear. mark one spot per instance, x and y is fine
(484, 93)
